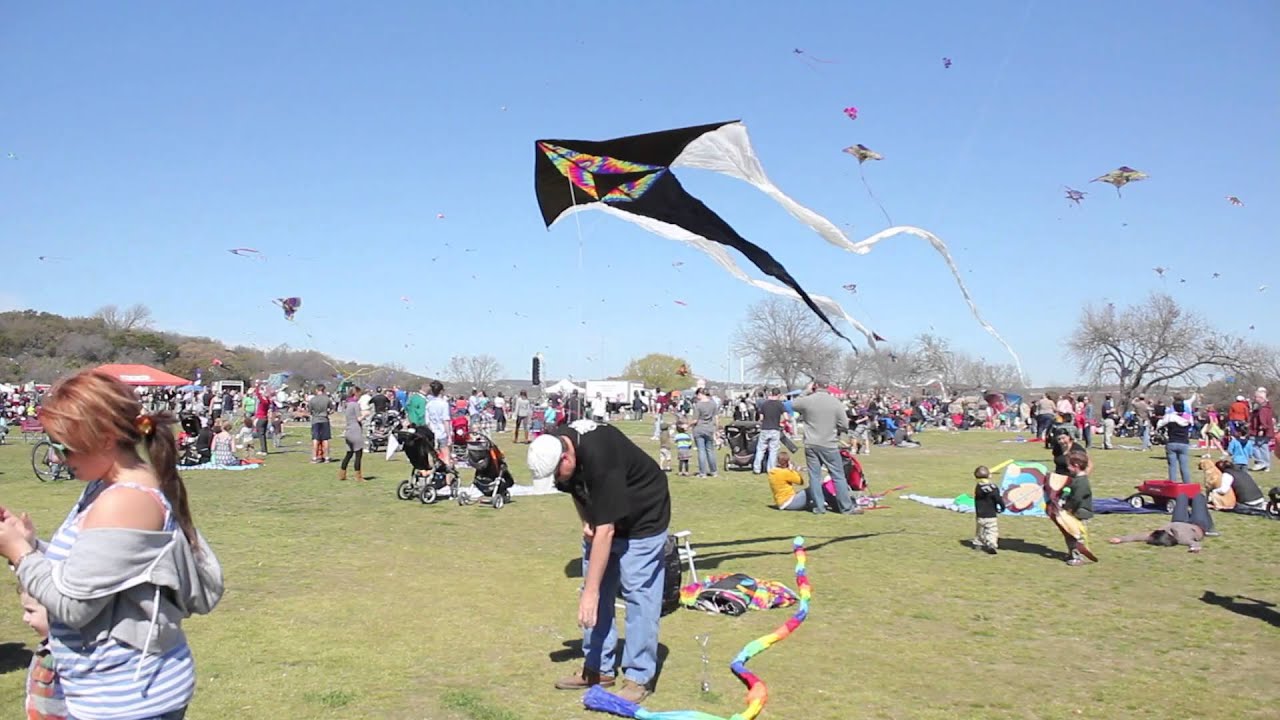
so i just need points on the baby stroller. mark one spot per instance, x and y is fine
(429, 476)
(742, 437)
(460, 432)
(189, 451)
(493, 478)
(381, 425)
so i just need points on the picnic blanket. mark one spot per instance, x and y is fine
(212, 466)
(1120, 506)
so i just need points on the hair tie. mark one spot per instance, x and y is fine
(144, 424)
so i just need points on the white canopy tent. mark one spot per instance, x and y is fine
(563, 387)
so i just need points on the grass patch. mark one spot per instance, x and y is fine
(345, 602)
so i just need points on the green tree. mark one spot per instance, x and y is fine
(656, 370)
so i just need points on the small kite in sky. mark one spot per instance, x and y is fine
(1182, 280)
(439, 216)
(247, 253)
(677, 263)
(1235, 201)
(864, 153)
(11, 156)
(851, 112)
(946, 63)
(1262, 288)
(878, 338)
(809, 60)
(49, 258)
(1160, 270)
(851, 287)
(1075, 196)
(1121, 176)
(1217, 275)
(633, 178)
(682, 303)
(290, 306)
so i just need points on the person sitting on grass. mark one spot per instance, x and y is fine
(1238, 480)
(223, 446)
(786, 484)
(1191, 523)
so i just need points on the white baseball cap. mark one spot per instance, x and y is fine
(544, 456)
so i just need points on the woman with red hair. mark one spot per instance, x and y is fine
(126, 566)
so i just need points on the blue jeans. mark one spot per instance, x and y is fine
(1179, 457)
(1262, 453)
(1193, 510)
(767, 444)
(799, 501)
(171, 715)
(816, 458)
(1146, 436)
(636, 566)
(706, 454)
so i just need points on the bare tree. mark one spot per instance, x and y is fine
(783, 340)
(1156, 343)
(477, 371)
(135, 317)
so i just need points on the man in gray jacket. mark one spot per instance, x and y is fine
(824, 420)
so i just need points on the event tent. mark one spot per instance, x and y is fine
(564, 387)
(142, 375)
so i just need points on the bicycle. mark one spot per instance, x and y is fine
(48, 464)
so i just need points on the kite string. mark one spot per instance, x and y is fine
(862, 173)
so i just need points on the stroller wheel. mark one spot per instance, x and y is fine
(404, 490)
(428, 495)
(499, 499)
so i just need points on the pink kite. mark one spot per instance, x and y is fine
(851, 112)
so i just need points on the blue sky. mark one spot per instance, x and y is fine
(152, 137)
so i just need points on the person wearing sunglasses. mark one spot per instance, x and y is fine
(127, 564)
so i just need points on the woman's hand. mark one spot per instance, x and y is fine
(13, 538)
(1114, 541)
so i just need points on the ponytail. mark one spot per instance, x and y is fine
(162, 452)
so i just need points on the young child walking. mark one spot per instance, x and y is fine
(664, 447)
(45, 700)
(987, 505)
(1077, 501)
(684, 449)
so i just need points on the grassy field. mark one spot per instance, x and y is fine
(343, 602)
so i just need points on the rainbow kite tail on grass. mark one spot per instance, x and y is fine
(602, 700)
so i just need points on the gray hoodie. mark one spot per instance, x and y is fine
(824, 418)
(133, 585)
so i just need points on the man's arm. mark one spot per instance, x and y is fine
(597, 562)
(1136, 537)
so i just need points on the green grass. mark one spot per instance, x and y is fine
(343, 602)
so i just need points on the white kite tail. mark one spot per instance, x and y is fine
(728, 150)
(720, 255)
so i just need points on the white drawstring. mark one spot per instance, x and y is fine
(155, 614)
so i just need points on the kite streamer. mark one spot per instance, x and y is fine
(602, 700)
(631, 179)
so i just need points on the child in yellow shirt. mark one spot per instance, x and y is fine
(785, 483)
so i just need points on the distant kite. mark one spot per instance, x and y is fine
(1075, 196)
(851, 112)
(1217, 275)
(864, 153)
(677, 263)
(1262, 288)
(12, 156)
(946, 63)
(290, 306)
(682, 303)
(633, 178)
(809, 60)
(439, 216)
(247, 253)
(1160, 270)
(1121, 176)
(851, 287)
(878, 338)
(1235, 201)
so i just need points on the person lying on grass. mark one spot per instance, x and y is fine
(1191, 523)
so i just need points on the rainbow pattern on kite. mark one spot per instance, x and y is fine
(580, 168)
(602, 700)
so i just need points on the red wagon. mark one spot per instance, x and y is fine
(1163, 493)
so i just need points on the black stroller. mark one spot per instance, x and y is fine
(195, 446)
(493, 478)
(380, 427)
(741, 437)
(429, 476)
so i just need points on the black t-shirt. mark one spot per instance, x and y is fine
(381, 403)
(617, 482)
(987, 502)
(771, 414)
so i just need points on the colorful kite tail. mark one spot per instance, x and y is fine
(602, 700)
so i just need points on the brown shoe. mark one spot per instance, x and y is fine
(632, 691)
(360, 477)
(584, 679)
(342, 474)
